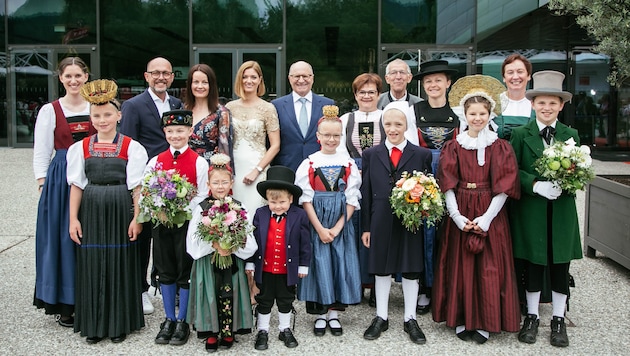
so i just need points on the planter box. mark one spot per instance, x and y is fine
(607, 218)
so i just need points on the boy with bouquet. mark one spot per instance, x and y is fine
(284, 253)
(171, 260)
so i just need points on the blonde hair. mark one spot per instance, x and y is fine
(238, 82)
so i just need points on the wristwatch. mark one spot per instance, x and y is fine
(259, 169)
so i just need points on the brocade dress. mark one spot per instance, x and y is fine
(477, 290)
(329, 182)
(108, 299)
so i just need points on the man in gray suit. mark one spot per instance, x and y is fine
(298, 113)
(397, 75)
(141, 120)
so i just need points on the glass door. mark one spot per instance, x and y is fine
(33, 83)
(226, 61)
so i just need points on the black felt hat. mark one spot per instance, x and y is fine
(432, 67)
(177, 117)
(279, 177)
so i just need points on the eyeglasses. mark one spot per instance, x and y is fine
(301, 76)
(329, 136)
(366, 93)
(156, 74)
(224, 183)
(394, 73)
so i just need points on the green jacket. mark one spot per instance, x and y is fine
(528, 216)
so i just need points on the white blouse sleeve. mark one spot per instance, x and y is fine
(202, 182)
(353, 192)
(76, 166)
(195, 246)
(43, 140)
(302, 181)
(136, 163)
(344, 124)
(250, 245)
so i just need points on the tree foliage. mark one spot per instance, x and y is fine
(608, 21)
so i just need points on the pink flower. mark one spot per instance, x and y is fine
(400, 182)
(230, 217)
(206, 220)
(417, 191)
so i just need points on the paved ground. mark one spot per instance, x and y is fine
(599, 304)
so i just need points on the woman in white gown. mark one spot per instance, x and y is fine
(254, 122)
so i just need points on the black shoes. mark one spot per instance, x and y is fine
(212, 344)
(415, 333)
(262, 340)
(118, 339)
(319, 331)
(287, 336)
(478, 338)
(167, 328)
(93, 340)
(376, 328)
(529, 330)
(558, 335)
(465, 335)
(65, 321)
(423, 309)
(181, 333)
(336, 331)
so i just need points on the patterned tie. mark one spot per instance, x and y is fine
(303, 120)
(395, 156)
(278, 217)
(547, 133)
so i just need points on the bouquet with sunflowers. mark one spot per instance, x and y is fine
(417, 199)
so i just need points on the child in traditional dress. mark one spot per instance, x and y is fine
(284, 253)
(475, 287)
(102, 170)
(330, 183)
(172, 262)
(219, 303)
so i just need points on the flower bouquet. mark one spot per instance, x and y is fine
(225, 223)
(165, 197)
(417, 198)
(568, 165)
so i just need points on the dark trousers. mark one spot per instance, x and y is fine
(172, 262)
(144, 253)
(274, 288)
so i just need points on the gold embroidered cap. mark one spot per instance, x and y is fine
(477, 85)
(100, 91)
(330, 111)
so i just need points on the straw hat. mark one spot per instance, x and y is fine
(477, 85)
(548, 82)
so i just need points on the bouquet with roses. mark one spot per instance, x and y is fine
(566, 164)
(416, 198)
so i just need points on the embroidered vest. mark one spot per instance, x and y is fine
(185, 164)
(275, 259)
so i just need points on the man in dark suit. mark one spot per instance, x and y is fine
(141, 120)
(298, 113)
(393, 249)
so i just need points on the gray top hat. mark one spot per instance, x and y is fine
(548, 82)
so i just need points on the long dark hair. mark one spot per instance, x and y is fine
(213, 91)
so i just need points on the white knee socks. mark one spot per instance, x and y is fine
(558, 302)
(263, 321)
(410, 293)
(382, 285)
(284, 321)
(533, 300)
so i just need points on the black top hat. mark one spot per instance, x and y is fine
(432, 67)
(177, 117)
(279, 177)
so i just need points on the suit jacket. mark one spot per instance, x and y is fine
(384, 99)
(528, 216)
(293, 147)
(142, 122)
(297, 239)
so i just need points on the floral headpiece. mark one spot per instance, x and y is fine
(220, 160)
(177, 117)
(100, 91)
(331, 112)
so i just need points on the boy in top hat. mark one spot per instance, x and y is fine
(170, 258)
(284, 252)
(544, 221)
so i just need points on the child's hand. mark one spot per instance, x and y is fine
(366, 239)
(326, 235)
(134, 230)
(219, 250)
(76, 233)
(302, 275)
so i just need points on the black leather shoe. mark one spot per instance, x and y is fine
(167, 328)
(529, 330)
(65, 321)
(287, 336)
(319, 331)
(118, 339)
(93, 340)
(415, 333)
(262, 340)
(478, 338)
(226, 343)
(335, 331)
(423, 309)
(558, 335)
(376, 328)
(372, 300)
(180, 336)
(465, 335)
(212, 344)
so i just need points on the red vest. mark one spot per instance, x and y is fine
(185, 164)
(275, 259)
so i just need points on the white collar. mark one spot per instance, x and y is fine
(181, 150)
(484, 139)
(157, 98)
(401, 146)
(308, 96)
(542, 126)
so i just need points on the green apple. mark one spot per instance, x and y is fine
(553, 165)
(182, 192)
(566, 163)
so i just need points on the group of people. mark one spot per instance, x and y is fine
(316, 188)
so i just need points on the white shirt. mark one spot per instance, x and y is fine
(401, 146)
(162, 106)
(297, 105)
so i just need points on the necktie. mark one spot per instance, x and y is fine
(279, 217)
(547, 133)
(175, 155)
(395, 156)
(303, 119)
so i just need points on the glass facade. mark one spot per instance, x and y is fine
(340, 38)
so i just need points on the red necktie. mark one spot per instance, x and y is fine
(395, 156)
